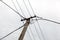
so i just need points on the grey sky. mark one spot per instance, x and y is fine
(49, 9)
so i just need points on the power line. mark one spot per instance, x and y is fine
(30, 15)
(37, 32)
(20, 7)
(37, 20)
(11, 32)
(14, 5)
(40, 18)
(24, 15)
(26, 7)
(41, 30)
(31, 33)
(12, 9)
(32, 19)
(27, 10)
(34, 14)
(31, 7)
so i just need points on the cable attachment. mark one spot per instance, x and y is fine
(27, 18)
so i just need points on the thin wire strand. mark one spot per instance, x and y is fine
(48, 20)
(26, 7)
(16, 12)
(31, 33)
(37, 32)
(14, 5)
(32, 19)
(30, 15)
(24, 15)
(11, 32)
(41, 30)
(42, 19)
(31, 7)
(13, 9)
(37, 21)
(20, 7)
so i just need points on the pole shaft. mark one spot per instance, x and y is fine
(24, 30)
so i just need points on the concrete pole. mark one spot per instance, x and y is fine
(24, 29)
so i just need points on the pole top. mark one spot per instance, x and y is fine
(28, 18)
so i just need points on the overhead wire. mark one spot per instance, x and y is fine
(31, 33)
(41, 30)
(42, 19)
(11, 32)
(31, 7)
(37, 20)
(15, 29)
(26, 7)
(37, 32)
(30, 15)
(34, 14)
(12, 9)
(48, 20)
(20, 7)
(14, 5)
(24, 15)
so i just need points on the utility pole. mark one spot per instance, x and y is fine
(25, 27)
(21, 37)
(24, 30)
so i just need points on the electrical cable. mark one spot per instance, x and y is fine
(24, 15)
(37, 21)
(14, 5)
(11, 32)
(31, 7)
(31, 33)
(37, 32)
(20, 7)
(26, 7)
(41, 30)
(16, 12)
(27, 10)
(42, 19)
(32, 19)
(12, 9)
(47, 20)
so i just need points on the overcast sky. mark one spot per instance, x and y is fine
(49, 9)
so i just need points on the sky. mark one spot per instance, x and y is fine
(49, 9)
